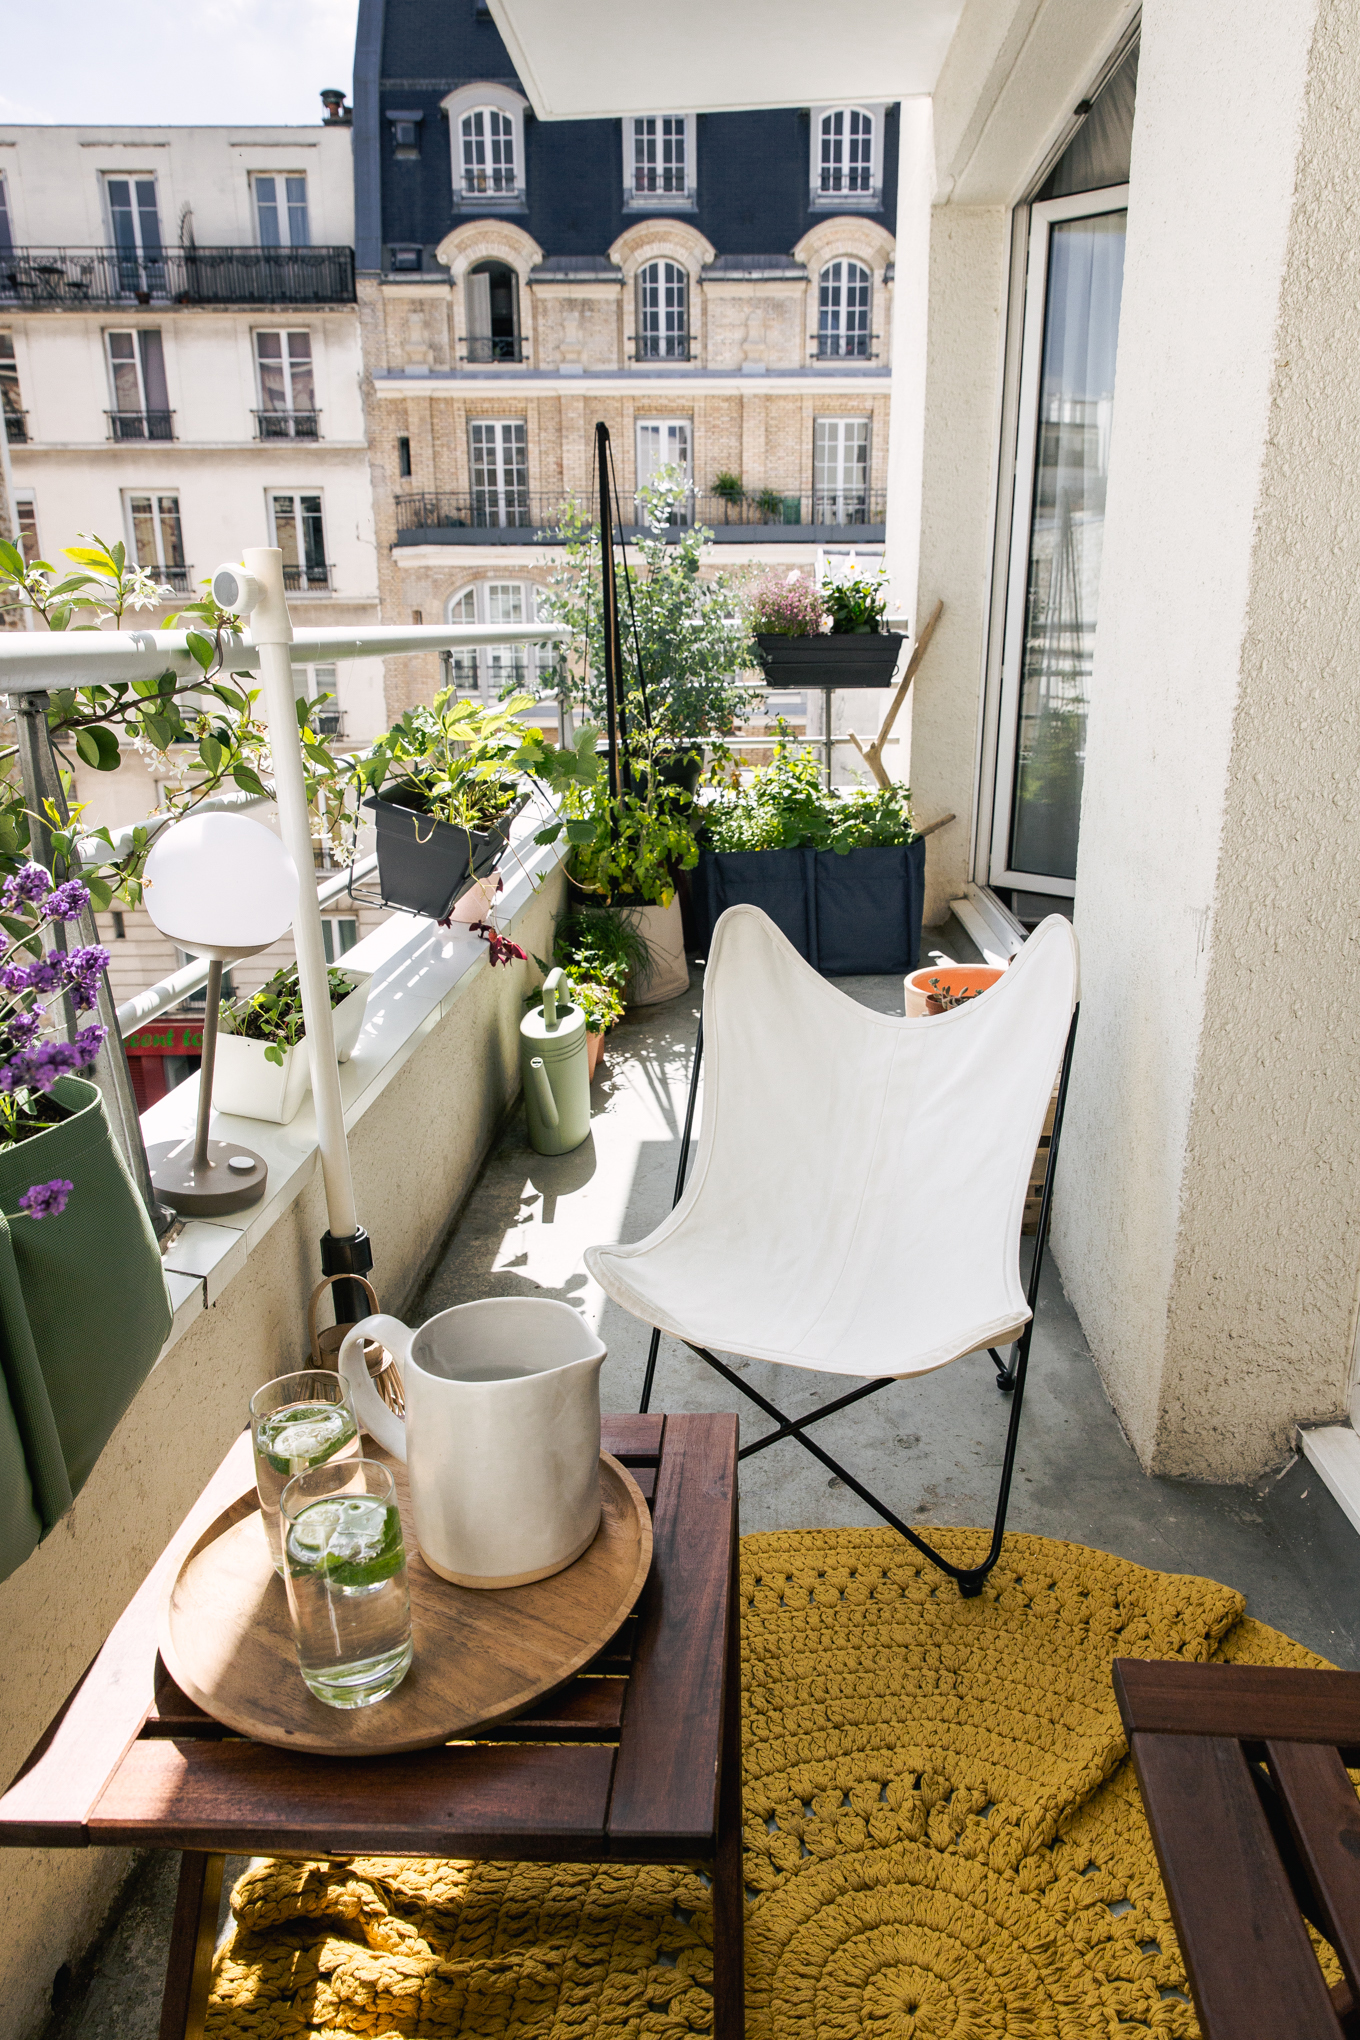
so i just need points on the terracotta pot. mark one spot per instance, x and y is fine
(953, 977)
(594, 1050)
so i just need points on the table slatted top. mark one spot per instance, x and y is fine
(623, 1760)
(1243, 1770)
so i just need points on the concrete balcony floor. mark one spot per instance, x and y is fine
(934, 1445)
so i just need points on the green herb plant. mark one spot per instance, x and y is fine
(274, 1013)
(786, 807)
(461, 761)
(857, 603)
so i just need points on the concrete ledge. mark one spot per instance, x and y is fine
(1334, 1449)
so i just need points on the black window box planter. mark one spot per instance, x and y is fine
(857, 915)
(840, 659)
(425, 865)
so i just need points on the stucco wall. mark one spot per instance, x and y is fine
(1207, 1222)
(969, 249)
(415, 1155)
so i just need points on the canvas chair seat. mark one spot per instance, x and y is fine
(859, 1185)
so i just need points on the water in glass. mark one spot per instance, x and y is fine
(346, 1580)
(297, 1422)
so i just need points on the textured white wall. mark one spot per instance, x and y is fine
(1206, 1219)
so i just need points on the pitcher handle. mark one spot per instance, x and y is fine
(369, 1407)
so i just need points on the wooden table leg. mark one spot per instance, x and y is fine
(188, 1973)
(729, 1884)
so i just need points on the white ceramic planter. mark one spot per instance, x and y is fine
(245, 1083)
(668, 976)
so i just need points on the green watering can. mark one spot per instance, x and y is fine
(552, 1061)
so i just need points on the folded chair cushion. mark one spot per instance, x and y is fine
(859, 1183)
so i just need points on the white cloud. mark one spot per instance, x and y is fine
(157, 62)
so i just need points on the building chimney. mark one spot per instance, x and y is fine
(337, 113)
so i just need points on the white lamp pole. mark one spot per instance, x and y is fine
(271, 630)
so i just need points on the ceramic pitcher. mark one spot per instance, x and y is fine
(501, 1435)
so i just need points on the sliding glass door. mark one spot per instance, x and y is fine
(1074, 282)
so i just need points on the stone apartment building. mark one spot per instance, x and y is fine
(716, 287)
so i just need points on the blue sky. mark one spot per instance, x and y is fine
(175, 62)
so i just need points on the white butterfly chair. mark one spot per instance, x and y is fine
(859, 1184)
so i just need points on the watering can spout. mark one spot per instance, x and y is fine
(542, 1090)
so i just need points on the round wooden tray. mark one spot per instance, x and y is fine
(481, 1654)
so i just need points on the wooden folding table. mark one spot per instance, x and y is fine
(638, 1758)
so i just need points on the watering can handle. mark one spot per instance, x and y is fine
(554, 988)
(542, 1090)
(388, 1430)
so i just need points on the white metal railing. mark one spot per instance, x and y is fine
(147, 1006)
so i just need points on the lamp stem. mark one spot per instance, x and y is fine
(205, 1068)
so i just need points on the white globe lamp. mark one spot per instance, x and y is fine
(224, 887)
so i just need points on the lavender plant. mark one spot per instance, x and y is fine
(787, 605)
(31, 979)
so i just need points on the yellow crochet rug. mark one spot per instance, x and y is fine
(944, 1838)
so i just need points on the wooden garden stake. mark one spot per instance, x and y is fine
(872, 752)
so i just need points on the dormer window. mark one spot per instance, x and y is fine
(486, 138)
(847, 156)
(658, 162)
(404, 127)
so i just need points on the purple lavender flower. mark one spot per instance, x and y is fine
(88, 1043)
(32, 883)
(87, 962)
(68, 902)
(14, 978)
(47, 975)
(53, 1059)
(46, 1200)
(21, 1027)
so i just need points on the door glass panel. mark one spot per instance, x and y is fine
(1076, 399)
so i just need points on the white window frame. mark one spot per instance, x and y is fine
(685, 198)
(485, 96)
(512, 506)
(26, 499)
(132, 178)
(160, 565)
(845, 200)
(1043, 215)
(662, 263)
(288, 416)
(484, 670)
(7, 242)
(844, 491)
(283, 207)
(824, 283)
(683, 515)
(332, 930)
(306, 585)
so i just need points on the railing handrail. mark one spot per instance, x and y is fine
(444, 509)
(242, 273)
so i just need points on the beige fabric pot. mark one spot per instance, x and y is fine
(668, 975)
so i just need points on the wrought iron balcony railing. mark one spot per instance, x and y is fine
(846, 347)
(180, 579)
(43, 278)
(16, 427)
(757, 510)
(494, 347)
(329, 721)
(309, 580)
(660, 346)
(287, 424)
(141, 424)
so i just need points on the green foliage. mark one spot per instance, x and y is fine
(787, 808)
(857, 604)
(691, 639)
(729, 487)
(460, 760)
(602, 945)
(630, 845)
(274, 1013)
(601, 1004)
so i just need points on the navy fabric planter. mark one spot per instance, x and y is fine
(852, 916)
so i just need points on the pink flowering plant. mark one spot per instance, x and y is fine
(787, 605)
(32, 978)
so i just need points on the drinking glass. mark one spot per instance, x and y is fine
(297, 1422)
(345, 1572)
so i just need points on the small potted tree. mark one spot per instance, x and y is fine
(832, 636)
(263, 1068)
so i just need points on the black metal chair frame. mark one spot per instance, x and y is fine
(1010, 1378)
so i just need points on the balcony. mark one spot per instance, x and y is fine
(846, 347)
(661, 347)
(141, 424)
(484, 348)
(16, 427)
(51, 279)
(313, 579)
(767, 516)
(287, 424)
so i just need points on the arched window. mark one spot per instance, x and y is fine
(846, 159)
(488, 136)
(843, 306)
(663, 312)
(494, 670)
(492, 295)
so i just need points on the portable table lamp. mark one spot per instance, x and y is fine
(222, 887)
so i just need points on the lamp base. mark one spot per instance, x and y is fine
(207, 1193)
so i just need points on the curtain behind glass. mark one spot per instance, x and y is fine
(1076, 400)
